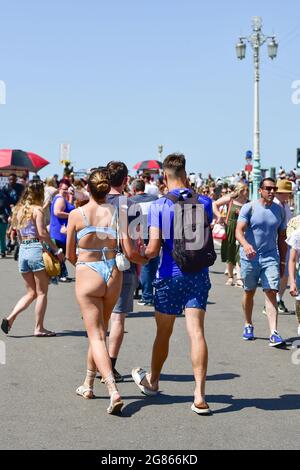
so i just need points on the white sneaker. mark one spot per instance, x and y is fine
(299, 330)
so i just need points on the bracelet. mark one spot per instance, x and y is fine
(282, 262)
(60, 250)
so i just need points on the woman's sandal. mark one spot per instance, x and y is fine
(85, 392)
(229, 282)
(114, 407)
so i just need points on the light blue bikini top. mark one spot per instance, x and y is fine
(93, 229)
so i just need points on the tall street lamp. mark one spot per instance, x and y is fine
(160, 151)
(256, 40)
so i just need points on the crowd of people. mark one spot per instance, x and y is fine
(121, 234)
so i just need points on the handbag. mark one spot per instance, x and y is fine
(122, 262)
(52, 264)
(219, 232)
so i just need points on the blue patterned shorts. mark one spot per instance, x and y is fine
(173, 295)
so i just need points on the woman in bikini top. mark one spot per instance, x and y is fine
(91, 247)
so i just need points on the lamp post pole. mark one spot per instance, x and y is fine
(160, 151)
(256, 40)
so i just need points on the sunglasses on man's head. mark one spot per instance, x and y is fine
(270, 188)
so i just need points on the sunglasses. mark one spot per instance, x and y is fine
(270, 188)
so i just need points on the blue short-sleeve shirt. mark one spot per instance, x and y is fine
(263, 224)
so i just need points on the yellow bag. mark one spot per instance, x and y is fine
(52, 264)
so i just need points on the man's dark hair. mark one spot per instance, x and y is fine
(176, 163)
(12, 174)
(117, 172)
(139, 185)
(266, 179)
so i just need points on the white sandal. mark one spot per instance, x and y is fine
(82, 390)
(138, 376)
(114, 407)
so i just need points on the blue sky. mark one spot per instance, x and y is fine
(116, 79)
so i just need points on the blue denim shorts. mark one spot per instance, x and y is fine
(173, 295)
(265, 270)
(31, 258)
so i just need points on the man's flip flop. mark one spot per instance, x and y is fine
(138, 375)
(202, 409)
(5, 326)
(47, 334)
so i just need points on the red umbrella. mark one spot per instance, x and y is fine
(148, 165)
(20, 160)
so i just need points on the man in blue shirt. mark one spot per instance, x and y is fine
(175, 291)
(261, 232)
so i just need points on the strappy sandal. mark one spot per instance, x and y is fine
(114, 407)
(239, 283)
(82, 391)
(229, 282)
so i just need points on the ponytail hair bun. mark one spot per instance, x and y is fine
(98, 183)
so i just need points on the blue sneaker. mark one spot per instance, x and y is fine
(275, 339)
(248, 332)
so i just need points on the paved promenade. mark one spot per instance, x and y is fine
(253, 389)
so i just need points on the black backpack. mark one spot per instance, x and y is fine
(191, 260)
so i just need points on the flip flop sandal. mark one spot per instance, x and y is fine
(82, 390)
(114, 407)
(138, 375)
(202, 409)
(5, 326)
(49, 334)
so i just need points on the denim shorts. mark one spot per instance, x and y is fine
(31, 258)
(173, 295)
(265, 270)
(125, 301)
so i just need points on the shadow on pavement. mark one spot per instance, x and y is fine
(190, 378)
(282, 403)
(186, 378)
(58, 334)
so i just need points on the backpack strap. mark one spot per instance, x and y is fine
(172, 197)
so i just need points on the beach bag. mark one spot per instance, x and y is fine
(219, 232)
(52, 264)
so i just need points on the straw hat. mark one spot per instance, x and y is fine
(284, 186)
